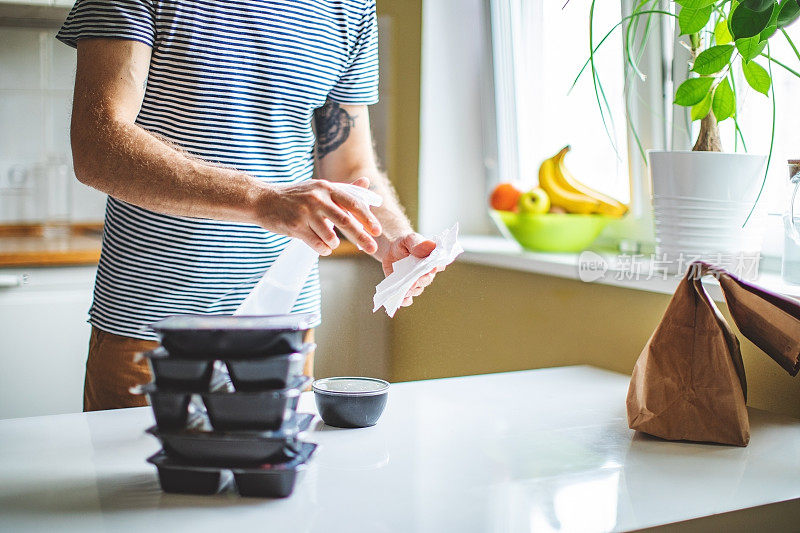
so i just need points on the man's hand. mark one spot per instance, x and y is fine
(416, 245)
(309, 210)
(344, 150)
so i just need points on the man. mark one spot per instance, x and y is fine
(196, 119)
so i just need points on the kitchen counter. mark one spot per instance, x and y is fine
(25, 246)
(539, 450)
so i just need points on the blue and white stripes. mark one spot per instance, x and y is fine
(235, 83)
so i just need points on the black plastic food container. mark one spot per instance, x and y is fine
(223, 336)
(170, 408)
(179, 374)
(233, 448)
(272, 372)
(263, 410)
(350, 402)
(273, 481)
(182, 479)
(264, 481)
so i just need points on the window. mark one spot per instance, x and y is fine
(539, 48)
(481, 122)
(497, 100)
(755, 119)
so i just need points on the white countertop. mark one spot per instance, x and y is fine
(539, 450)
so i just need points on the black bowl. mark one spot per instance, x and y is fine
(350, 402)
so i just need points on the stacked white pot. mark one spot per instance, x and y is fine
(701, 201)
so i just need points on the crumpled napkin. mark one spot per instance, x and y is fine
(391, 292)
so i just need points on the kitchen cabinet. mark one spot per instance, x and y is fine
(34, 13)
(43, 339)
(56, 3)
(28, 2)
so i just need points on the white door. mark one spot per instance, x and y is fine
(44, 338)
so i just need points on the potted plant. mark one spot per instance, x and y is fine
(702, 198)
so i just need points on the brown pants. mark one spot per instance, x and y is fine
(111, 370)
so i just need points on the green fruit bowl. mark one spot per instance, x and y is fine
(550, 232)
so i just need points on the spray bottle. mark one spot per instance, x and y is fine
(278, 290)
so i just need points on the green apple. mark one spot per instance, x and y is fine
(534, 202)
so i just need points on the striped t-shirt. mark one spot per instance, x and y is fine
(234, 82)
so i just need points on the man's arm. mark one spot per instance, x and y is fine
(344, 154)
(113, 154)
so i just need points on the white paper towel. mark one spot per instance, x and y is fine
(391, 292)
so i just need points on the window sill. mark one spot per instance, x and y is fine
(501, 253)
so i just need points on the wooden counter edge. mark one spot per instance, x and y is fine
(49, 258)
(90, 256)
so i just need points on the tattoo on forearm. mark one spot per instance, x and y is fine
(332, 124)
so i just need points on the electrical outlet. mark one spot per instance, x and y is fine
(16, 177)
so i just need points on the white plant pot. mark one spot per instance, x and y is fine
(708, 191)
(706, 175)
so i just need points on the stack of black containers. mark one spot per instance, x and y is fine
(224, 395)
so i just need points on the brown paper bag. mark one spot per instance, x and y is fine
(689, 381)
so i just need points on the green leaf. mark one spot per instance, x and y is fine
(772, 25)
(700, 110)
(751, 47)
(713, 59)
(789, 12)
(768, 32)
(748, 23)
(758, 5)
(757, 76)
(724, 105)
(691, 20)
(692, 91)
(722, 35)
(694, 4)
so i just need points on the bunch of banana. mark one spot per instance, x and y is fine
(565, 191)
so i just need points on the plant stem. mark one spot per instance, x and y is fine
(708, 139)
(598, 88)
(611, 32)
(788, 69)
(791, 43)
(738, 134)
(771, 143)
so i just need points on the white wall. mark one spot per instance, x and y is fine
(352, 339)
(36, 80)
(455, 127)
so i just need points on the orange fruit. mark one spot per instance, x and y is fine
(505, 197)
